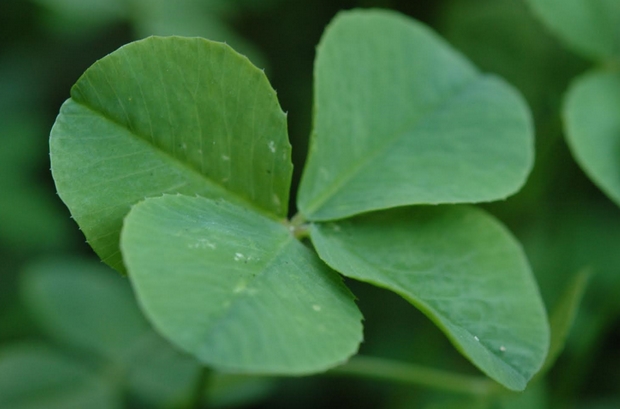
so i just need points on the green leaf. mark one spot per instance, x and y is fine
(536, 396)
(29, 217)
(176, 115)
(192, 18)
(563, 315)
(592, 123)
(503, 37)
(401, 118)
(462, 269)
(82, 304)
(86, 13)
(34, 376)
(159, 374)
(236, 289)
(590, 27)
(230, 391)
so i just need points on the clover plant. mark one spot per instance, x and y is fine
(592, 105)
(173, 157)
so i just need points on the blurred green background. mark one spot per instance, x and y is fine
(70, 325)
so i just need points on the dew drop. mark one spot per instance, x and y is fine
(476, 338)
(272, 146)
(502, 348)
(316, 307)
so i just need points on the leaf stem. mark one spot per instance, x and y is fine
(299, 226)
(201, 388)
(394, 371)
(298, 220)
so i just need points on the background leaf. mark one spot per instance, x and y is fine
(458, 266)
(159, 375)
(82, 305)
(229, 390)
(33, 376)
(581, 235)
(28, 217)
(401, 118)
(200, 120)
(590, 27)
(563, 315)
(87, 308)
(592, 123)
(236, 289)
(504, 37)
(87, 13)
(193, 18)
(534, 397)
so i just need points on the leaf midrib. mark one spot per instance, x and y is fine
(436, 315)
(179, 163)
(392, 285)
(236, 298)
(315, 205)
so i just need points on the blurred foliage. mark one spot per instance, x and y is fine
(564, 222)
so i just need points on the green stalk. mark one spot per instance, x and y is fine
(394, 371)
(299, 227)
(201, 388)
